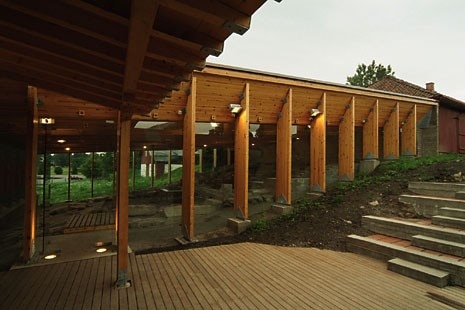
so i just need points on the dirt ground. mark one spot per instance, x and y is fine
(325, 223)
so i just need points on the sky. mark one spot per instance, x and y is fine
(422, 40)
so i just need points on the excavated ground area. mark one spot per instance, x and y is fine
(323, 222)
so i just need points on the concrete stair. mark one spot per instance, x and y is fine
(387, 251)
(448, 221)
(447, 190)
(406, 230)
(429, 206)
(429, 275)
(439, 245)
(452, 212)
(432, 251)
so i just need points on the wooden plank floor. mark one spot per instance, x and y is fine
(238, 276)
(90, 222)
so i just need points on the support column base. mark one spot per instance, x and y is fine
(122, 281)
(238, 225)
(185, 241)
(368, 165)
(281, 209)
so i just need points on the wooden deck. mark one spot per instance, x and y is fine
(239, 276)
(90, 222)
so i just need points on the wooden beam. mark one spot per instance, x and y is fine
(32, 123)
(391, 135)
(347, 143)
(44, 69)
(409, 134)
(284, 151)
(212, 12)
(318, 149)
(122, 199)
(55, 84)
(66, 63)
(370, 134)
(143, 15)
(46, 35)
(194, 41)
(74, 20)
(241, 158)
(188, 164)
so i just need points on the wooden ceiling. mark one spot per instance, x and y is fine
(99, 57)
(121, 54)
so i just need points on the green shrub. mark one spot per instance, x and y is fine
(58, 170)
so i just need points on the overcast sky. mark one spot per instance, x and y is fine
(423, 40)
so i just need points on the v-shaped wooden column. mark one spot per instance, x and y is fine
(284, 151)
(347, 143)
(32, 123)
(122, 198)
(409, 134)
(241, 158)
(370, 134)
(391, 135)
(188, 164)
(318, 149)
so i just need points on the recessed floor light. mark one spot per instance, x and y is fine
(50, 256)
(101, 250)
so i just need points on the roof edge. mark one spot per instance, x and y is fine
(301, 79)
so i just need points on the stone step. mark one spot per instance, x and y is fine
(422, 273)
(452, 212)
(428, 206)
(448, 190)
(405, 230)
(386, 251)
(439, 245)
(460, 194)
(448, 221)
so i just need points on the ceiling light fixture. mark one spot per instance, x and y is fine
(47, 120)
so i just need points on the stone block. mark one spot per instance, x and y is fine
(281, 209)
(238, 225)
(368, 165)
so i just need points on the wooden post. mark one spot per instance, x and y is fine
(284, 151)
(318, 149)
(215, 158)
(92, 175)
(347, 143)
(241, 158)
(152, 170)
(133, 170)
(188, 164)
(391, 135)
(228, 156)
(32, 131)
(370, 134)
(124, 136)
(169, 167)
(200, 160)
(69, 175)
(409, 134)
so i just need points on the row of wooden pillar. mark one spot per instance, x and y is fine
(317, 142)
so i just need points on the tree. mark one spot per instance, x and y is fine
(367, 75)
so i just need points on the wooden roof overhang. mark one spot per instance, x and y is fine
(218, 86)
(122, 55)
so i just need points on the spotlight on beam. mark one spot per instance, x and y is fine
(235, 108)
(314, 112)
